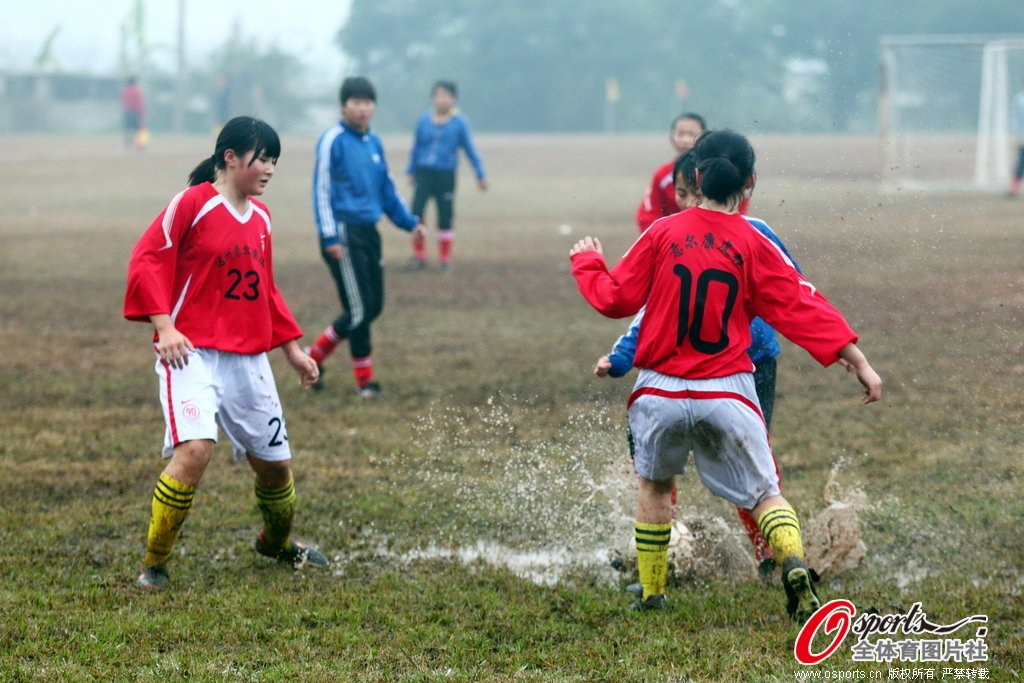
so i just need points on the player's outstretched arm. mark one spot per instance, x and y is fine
(301, 363)
(854, 360)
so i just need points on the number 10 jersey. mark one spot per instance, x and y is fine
(703, 276)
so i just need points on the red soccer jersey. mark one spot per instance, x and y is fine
(659, 197)
(703, 275)
(211, 270)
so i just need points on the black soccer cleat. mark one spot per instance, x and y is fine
(801, 599)
(368, 390)
(153, 578)
(652, 603)
(296, 554)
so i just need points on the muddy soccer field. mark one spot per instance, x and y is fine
(471, 509)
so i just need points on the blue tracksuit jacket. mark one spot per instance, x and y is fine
(352, 185)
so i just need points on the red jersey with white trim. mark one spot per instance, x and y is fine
(659, 197)
(211, 270)
(703, 275)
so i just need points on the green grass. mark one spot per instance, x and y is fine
(492, 435)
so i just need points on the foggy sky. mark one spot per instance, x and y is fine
(90, 32)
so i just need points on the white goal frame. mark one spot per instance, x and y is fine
(902, 158)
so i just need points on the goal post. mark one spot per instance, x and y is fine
(944, 110)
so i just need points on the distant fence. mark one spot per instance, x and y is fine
(51, 102)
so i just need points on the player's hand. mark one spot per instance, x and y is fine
(173, 347)
(412, 179)
(335, 251)
(588, 243)
(872, 383)
(604, 365)
(302, 363)
(419, 232)
(483, 184)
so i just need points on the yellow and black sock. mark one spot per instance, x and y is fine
(171, 502)
(781, 529)
(278, 508)
(652, 556)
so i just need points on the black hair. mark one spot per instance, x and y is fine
(359, 87)
(686, 166)
(243, 134)
(725, 160)
(688, 115)
(446, 85)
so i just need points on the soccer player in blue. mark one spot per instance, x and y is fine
(352, 188)
(433, 160)
(763, 349)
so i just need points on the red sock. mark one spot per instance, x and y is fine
(761, 548)
(324, 344)
(419, 248)
(362, 370)
(1015, 188)
(444, 245)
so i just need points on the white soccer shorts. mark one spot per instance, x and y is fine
(237, 391)
(718, 419)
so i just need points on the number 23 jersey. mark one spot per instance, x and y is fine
(703, 275)
(211, 270)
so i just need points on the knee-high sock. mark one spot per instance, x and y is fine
(277, 505)
(445, 238)
(781, 529)
(419, 248)
(362, 370)
(750, 525)
(171, 502)
(652, 556)
(324, 344)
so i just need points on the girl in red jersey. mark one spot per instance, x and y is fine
(660, 196)
(202, 274)
(704, 273)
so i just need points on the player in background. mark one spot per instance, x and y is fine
(764, 348)
(1017, 130)
(202, 275)
(433, 161)
(133, 106)
(352, 188)
(660, 196)
(704, 274)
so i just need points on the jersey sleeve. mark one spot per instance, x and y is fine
(649, 209)
(471, 153)
(622, 291)
(417, 143)
(284, 327)
(795, 307)
(153, 261)
(323, 207)
(391, 202)
(623, 352)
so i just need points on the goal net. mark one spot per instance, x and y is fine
(945, 111)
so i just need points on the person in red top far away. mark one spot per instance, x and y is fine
(703, 274)
(660, 196)
(202, 275)
(134, 107)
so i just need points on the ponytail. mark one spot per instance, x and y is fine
(725, 161)
(243, 134)
(204, 172)
(719, 179)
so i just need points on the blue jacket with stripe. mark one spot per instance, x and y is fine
(763, 343)
(352, 185)
(436, 145)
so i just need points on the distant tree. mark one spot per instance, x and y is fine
(242, 77)
(542, 64)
